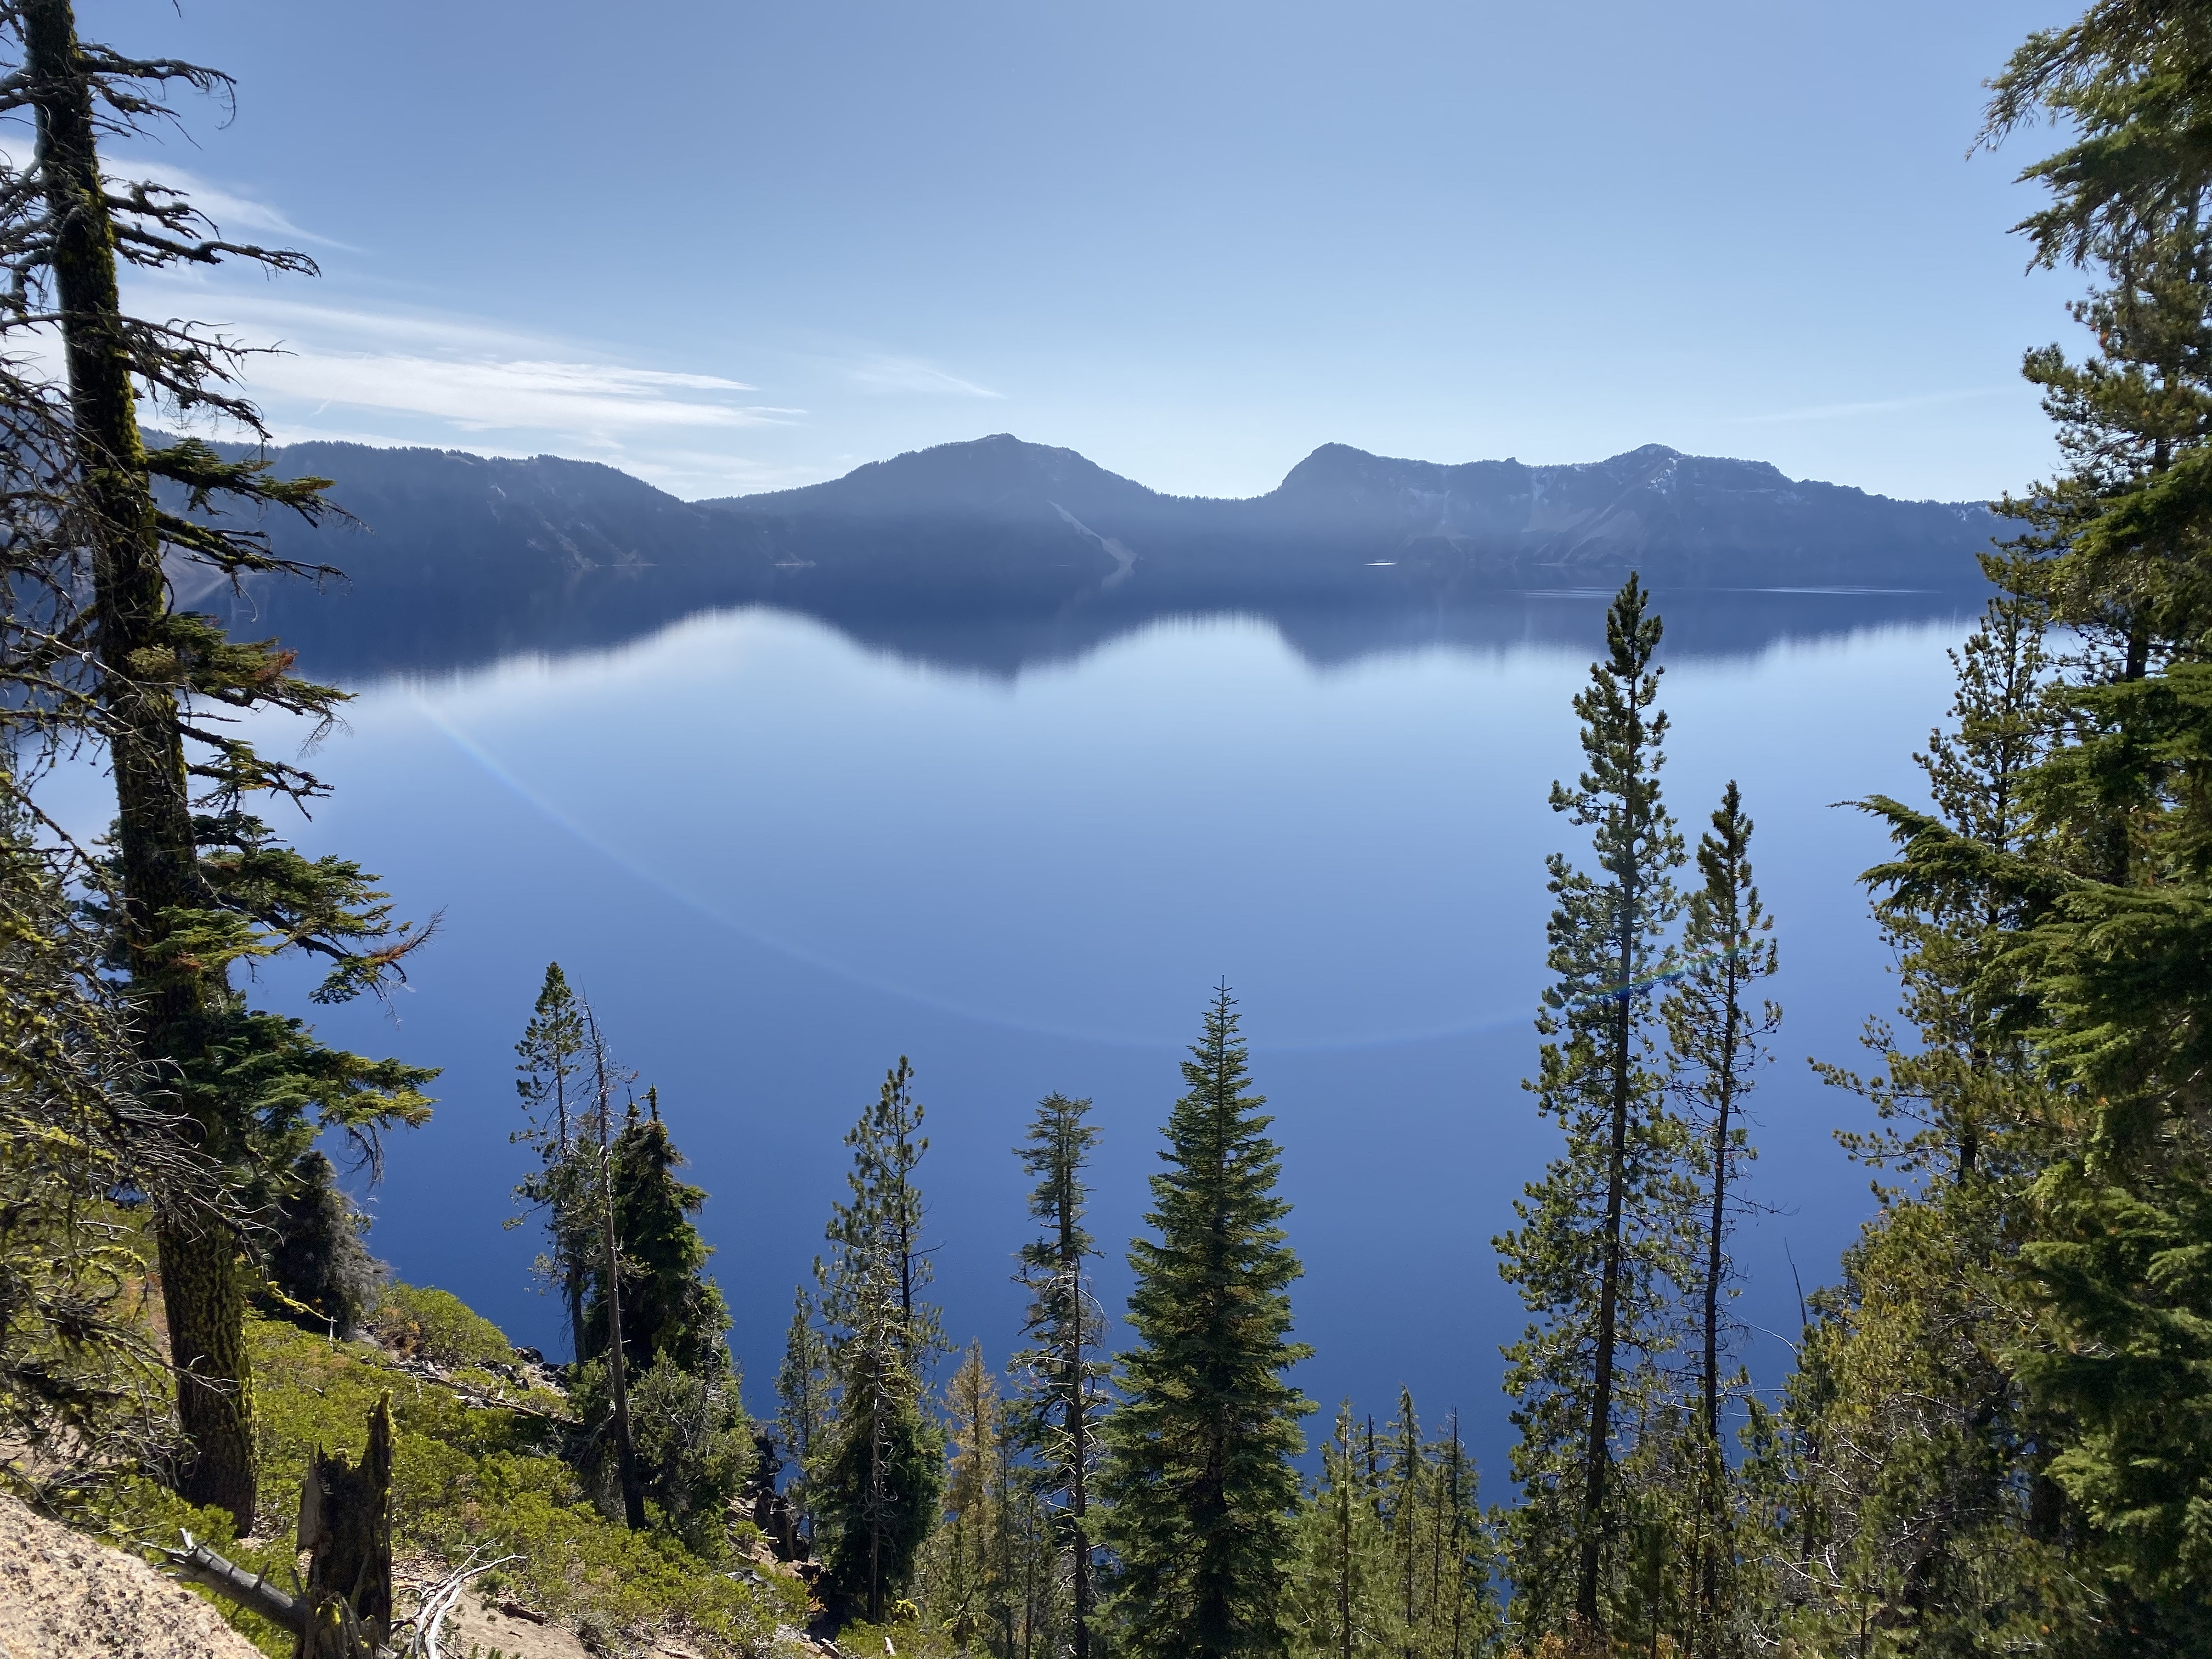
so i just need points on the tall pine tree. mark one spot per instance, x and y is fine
(1600, 1240)
(802, 1399)
(1199, 1480)
(1064, 1395)
(876, 1487)
(1716, 1034)
(555, 1096)
(200, 885)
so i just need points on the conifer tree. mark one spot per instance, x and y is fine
(199, 884)
(2068, 1151)
(1463, 1617)
(1910, 1463)
(671, 1310)
(1393, 1555)
(1600, 1238)
(1198, 1479)
(615, 1350)
(968, 1597)
(876, 1494)
(1064, 1393)
(1716, 1040)
(318, 1262)
(802, 1391)
(1342, 1590)
(1405, 1499)
(554, 1090)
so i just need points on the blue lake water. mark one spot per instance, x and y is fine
(776, 860)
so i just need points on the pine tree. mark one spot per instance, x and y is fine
(1342, 1591)
(1393, 1555)
(968, 1597)
(802, 1395)
(1600, 1239)
(1064, 1394)
(2066, 1150)
(198, 882)
(319, 1262)
(1911, 1467)
(1716, 1042)
(1464, 1615)
(1198, 1480)
(876, 1492)
(616, 1422)
(671, 1310)
(551, 1058)
(1406, 1499)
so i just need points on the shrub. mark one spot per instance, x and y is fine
(420, 1322)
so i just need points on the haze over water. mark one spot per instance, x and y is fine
(776, 860)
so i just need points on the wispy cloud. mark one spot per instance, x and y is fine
(911, 374)
(585, 400)
(1877, 406)
(234, 212)
(465, 376)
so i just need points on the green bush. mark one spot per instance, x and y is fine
(694, 1446)
(425, 1323)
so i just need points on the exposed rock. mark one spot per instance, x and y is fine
(65, 1596)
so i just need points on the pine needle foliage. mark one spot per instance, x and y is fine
(1199, 1480)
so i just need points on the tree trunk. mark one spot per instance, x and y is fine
(345, 1524)
(618, 1371)
(1598, 1453)
(157, 850)
(1715, 1508)
(205, 1304)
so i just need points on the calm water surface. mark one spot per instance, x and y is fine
(776, 861)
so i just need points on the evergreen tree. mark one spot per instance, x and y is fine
(671, 1310)
(1198, 1479)
(2042, 1484)
(694, 1451)
(1342, 1587)
(968, 1597)
(319, 1263)
(877, 1487)
(551, 1058)
(802, 1396)
(1601, 1237)
(1716, 1040)
(198, 884)
(1064, 1393)
(614, 1424)
(1393, 1553)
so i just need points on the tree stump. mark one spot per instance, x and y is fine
(345, 1525)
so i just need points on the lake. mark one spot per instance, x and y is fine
(777, 858)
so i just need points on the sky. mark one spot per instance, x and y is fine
(730, 246)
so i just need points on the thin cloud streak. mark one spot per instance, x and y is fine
(1880, 406)
(494, 395)
(913, 374)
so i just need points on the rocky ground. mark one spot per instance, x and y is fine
(64, 1596)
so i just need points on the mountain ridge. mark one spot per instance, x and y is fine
(461, 558)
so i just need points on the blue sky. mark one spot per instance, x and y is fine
(733, 246)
